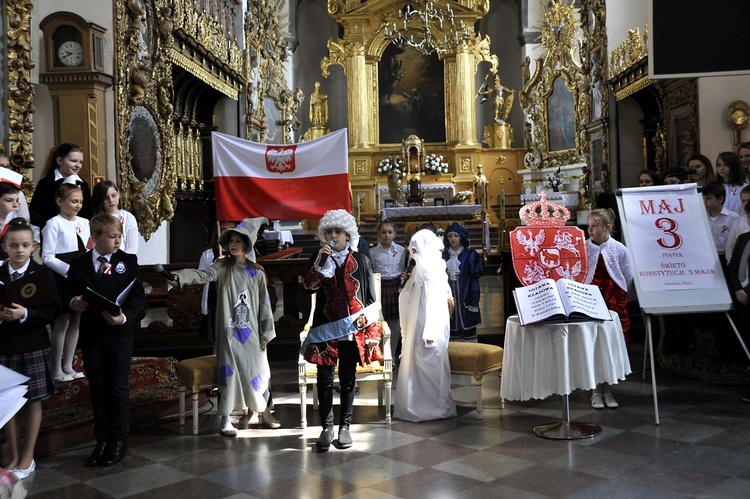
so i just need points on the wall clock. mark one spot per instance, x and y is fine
(70, 53)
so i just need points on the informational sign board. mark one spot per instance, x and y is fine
(676, 265)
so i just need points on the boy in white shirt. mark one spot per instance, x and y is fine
(388, 259)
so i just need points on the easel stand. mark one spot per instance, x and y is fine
(566, 429)
(649, 351)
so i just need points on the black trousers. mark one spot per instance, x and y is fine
(348, 359)
(108, 371)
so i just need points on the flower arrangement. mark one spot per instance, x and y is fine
(555, 180)
(390, 163)
(434, 164)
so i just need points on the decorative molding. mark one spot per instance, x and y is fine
(200, 71)
(72, 78)
(143, 69)
(633, 87)
(216, 35)
(559, 41)
(630, 51)
(20, 89)
(266, 53)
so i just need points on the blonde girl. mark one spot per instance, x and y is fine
(611, 270)
(64, 237)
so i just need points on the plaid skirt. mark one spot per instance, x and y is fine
(35, 365)
(389, 297)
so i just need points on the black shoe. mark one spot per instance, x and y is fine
(345, 439)
(115, 453)
(325, 438)
(97, 456)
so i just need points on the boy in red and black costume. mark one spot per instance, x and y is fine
(345, 325)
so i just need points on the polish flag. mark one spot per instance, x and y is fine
(280, 181)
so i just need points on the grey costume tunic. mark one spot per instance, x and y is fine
(244, 326)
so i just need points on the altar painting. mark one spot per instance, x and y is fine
(411, 94)
(561, 124)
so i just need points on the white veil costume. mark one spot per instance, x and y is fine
(423, 388)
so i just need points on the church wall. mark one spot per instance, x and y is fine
(623, 15)
(631, 145)
(226, 117)
(714, 95)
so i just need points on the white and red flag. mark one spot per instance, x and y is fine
(280, 181)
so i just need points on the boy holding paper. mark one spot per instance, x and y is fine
(106, 340)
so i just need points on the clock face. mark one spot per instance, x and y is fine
(70, 53)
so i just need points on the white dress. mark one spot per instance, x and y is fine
(423, 388)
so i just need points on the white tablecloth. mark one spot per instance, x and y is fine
(546, 359)
(449, 212)
(283, 236)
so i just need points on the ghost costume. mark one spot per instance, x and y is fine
(244, 325)
(423, 389)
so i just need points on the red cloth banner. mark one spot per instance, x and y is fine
(280, 181)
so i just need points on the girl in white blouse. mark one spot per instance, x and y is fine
(106, 199)
(65, 236)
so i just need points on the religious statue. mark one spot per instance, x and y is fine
(659, 153)
(480, 188)
(318, 107)
(502, 105)
(394, 186)
(525, 70)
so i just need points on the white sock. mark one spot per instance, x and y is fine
(226, 423)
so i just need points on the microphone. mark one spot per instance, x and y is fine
(324, 256)
(160, 269)
(409, 270)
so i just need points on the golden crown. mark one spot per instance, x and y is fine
(544, 212)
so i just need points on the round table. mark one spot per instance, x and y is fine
(556, 358)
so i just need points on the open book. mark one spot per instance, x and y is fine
(99, 302)
(564, 300)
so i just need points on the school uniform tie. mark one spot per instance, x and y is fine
(16, 275)
(104, 266)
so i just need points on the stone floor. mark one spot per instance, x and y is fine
(700, 449)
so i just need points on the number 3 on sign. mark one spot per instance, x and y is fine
(671, 239)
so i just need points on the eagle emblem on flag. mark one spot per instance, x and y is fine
(280, 159)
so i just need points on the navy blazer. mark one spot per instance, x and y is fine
(94, 329)
(30, 335)
(734, 265)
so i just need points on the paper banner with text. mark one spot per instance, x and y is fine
(671, 247)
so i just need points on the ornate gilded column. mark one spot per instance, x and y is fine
(466, 131)
(358, 95)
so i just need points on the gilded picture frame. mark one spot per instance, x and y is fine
(143, 103)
